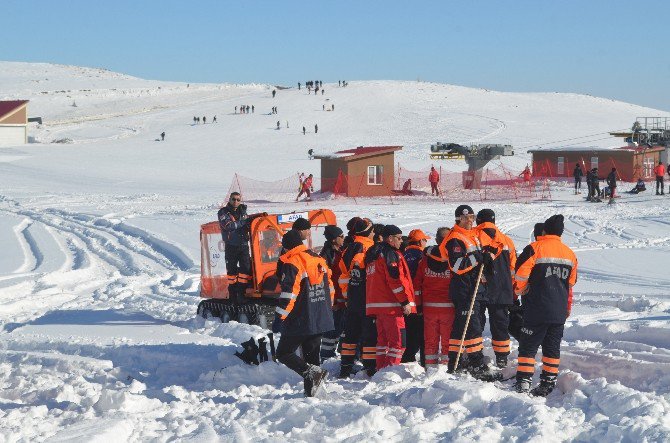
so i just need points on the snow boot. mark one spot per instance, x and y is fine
(483, 373)
(544, 388)
(522, 385)
(345, 371)
(501, 361)
(314, 377)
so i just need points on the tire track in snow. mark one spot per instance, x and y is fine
(32, 256)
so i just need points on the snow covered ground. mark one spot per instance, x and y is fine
(100, 266)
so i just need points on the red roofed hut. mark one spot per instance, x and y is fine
(365, 171)
(13, 122)
(632, 162)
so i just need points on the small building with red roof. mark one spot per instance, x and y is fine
(13, 122)
(631, 162)
(365, 171)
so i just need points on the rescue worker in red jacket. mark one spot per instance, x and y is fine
(545, 272)
(433, 179)
(659, 170)
(499, 296)
(431, 292)
(413, 254)
(389, 295)
(358, 328)
(306, 310)
(463, 251)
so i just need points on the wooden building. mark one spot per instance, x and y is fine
(364, 171)
(13, 122)
(632, 162)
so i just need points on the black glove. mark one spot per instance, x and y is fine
(487, 261)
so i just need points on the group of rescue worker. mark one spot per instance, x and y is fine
(385, 301)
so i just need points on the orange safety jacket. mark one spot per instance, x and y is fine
(659, 170)
(352, 273)
(431, 283)
(306, 299)
(433, 177)
(545, 272)
(389, 283)
(499, 278)
(462, 250)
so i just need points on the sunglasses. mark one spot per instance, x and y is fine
(235, 199)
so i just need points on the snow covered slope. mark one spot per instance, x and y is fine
(100, 266)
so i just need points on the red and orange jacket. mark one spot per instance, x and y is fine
(389, 284)
(431, 283)
(306, 299)
(499, 278)
(352, 273)
(545, 272)
(433, 177)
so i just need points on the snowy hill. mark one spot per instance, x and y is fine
(100, 266)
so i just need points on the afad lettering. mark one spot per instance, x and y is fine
(562, 273)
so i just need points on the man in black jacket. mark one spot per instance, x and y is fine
(611, 182)
(334, 242)
(234, 223)
(578, 174)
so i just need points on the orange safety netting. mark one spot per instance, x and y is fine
(284, 190)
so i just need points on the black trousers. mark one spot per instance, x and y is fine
(238, 268)
(332, 338)
(578, 183)
(660, 184)
(499, 325)
(547, 335)
(415, 343)
(473, 344)
(360, 331)
(311, 345)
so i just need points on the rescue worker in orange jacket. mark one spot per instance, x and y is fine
(305, 309)
(431, 292)
(545, 272)
(413, 254)
(358, 328)
(433, 179)
(499, 295)
(389, 295)
(463, 251)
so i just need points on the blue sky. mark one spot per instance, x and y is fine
(615, 49)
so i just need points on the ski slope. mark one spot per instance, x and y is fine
(100, 266)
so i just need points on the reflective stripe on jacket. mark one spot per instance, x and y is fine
(462, 251)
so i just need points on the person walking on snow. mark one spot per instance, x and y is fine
(389, 295)
(611, 182)
(163, 136)
(305, 308)
(545, 273)
(433, 179)
(316, 129)
(578, 174)
(659, 170)
(306, 188)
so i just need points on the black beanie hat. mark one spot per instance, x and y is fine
(291, 239)
(301, 224)
(486, 215)
(463, 210)
(554, 225)
(538, 229)
(350, 224)
(391, 230)
(362, 227)
(331, 232)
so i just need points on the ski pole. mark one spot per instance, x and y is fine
(467, 320)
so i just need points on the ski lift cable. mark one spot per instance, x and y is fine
(576, 138)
